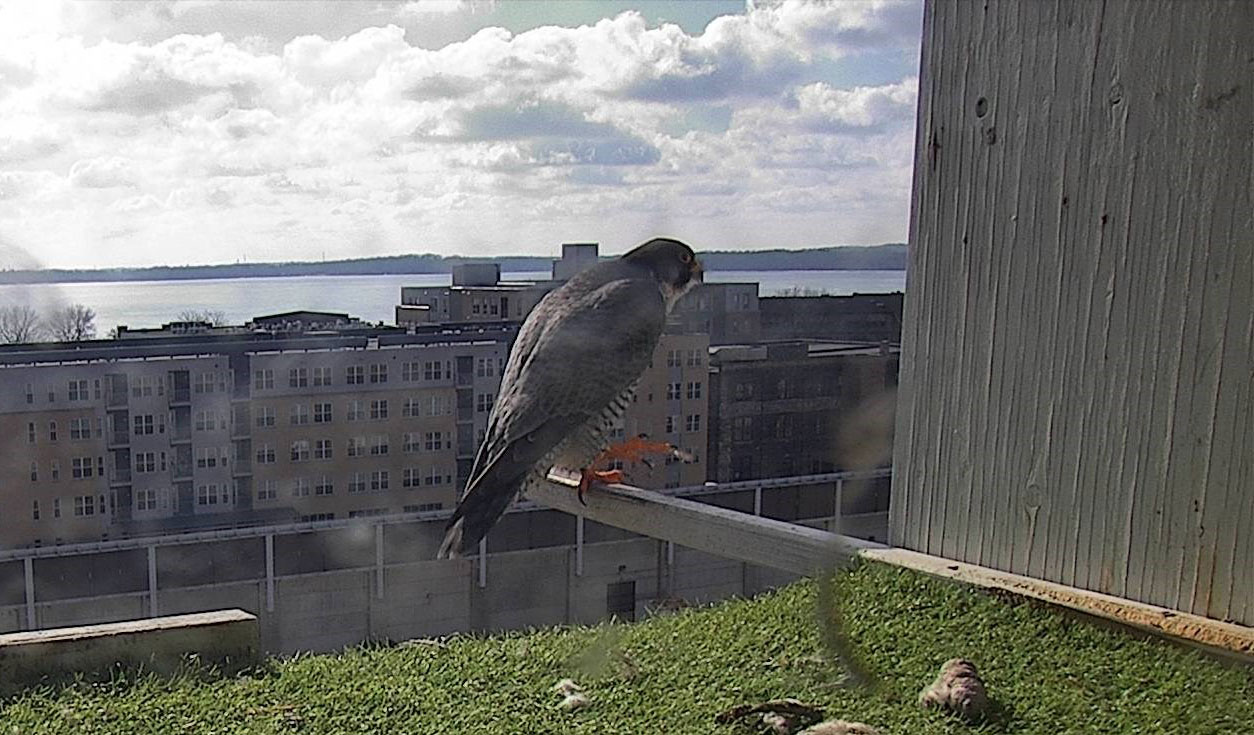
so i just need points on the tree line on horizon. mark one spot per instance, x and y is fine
(873, 257)
(20, 323)
(23, 323)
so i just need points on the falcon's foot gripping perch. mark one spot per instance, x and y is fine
(635, 449)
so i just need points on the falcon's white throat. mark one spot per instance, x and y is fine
(671, 295)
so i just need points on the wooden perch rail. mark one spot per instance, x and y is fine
(803, 550)
(726, 533)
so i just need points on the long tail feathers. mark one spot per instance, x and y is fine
(478, 512)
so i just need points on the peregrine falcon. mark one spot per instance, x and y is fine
(569, 377)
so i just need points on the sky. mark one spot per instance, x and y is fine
(219, 131)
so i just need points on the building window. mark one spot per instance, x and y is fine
(672, 391)
(34, 510)
(300, 488)
(434, 441)
(265, 416)
(56, 468)
(34, 472)
(412, 408)
(783, 427)
(379, 445)
(80, 467)
(322, 413)
(356, 411)
(80, 429)
(432, 370)
(269, 490)
(298, 378)
(78, 391)
(440, 406)
(742, 429)
(692, 422)
(205, 382)
(378, 480)
(672, 424)
(145, 500)
(145, 462)
(355, 375)
(30, 393)
(367, 512)
(411, 478)
(435, 477)
(321, 377)
(357, 484)
(317, 517)
(673, 358)
(265, 454)
(412, 442)
(204, 422)
(30, 432)
(84, 505)
(52, 431)
(324, 486)
(483, 402)
(263, 379)
(694, 389)
(485, 367)
(210, 457)
(378, 410)
(299, 415)
(378, 372)
(300, 450)
(410, 371)
(696, 358)
(357, 446)
(744, 391)
(212, 494)
(322, 449)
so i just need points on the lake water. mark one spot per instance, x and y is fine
(372, 298)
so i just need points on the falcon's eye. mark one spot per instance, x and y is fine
(685, 257)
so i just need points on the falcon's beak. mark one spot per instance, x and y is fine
(697, 271)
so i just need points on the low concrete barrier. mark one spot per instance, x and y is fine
(229, 638)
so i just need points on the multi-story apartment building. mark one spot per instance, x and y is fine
(864, 317)
(781, 409)
(727, 312)
(671, 405)
(477, 295)
(137, 436)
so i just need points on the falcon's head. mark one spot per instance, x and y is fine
(672, 263)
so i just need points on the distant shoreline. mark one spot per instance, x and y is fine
(876, 257)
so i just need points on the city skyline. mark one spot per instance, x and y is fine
(196, 133)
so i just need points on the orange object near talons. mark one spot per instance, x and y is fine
(635, 449)
(589, 476)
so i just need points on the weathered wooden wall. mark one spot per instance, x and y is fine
(1077, 380)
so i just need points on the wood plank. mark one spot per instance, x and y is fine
(804, 550)
(727, 533)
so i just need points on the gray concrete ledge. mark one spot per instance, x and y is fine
(222, 637)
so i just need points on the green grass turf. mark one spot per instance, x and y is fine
(1047, 673)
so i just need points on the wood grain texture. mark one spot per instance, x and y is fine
(1077, 381)
(726, 533)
